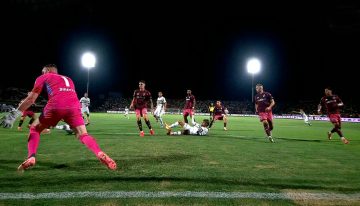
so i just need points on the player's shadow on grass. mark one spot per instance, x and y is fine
(301, 140)
(8, 164)
(244, 138)
(83, 165)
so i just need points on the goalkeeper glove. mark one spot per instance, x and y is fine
(8, 120)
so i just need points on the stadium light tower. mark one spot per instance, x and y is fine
(88, 61)
(253, 67)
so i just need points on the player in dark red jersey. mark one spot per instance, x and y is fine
(333, 103)
(63, 103)
(189, 108)
(219, 114)
(139, 103)
(264, 102)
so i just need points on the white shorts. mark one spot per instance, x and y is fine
(85, 110)
(159, 111)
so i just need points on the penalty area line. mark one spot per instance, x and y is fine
(185, 194)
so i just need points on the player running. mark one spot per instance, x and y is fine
(333, 103)
(160, 108)
(264, 102)
(63, 103)
(304, 116)
(85, 103)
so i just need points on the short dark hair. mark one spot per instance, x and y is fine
(142, 81)
(50, 65)
(258, 84)
(207, 122)
(328, 88)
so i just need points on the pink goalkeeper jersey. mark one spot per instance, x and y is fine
(60, 89)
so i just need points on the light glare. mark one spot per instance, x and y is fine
(253, 66)
(88, 60)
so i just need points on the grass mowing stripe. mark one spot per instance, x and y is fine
(187, 194)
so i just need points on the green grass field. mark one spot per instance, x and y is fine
(238, 160)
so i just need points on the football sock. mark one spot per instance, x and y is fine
(174, 125)
(211, 123)
(176, 133)
(267, 129)
(333, 130)
(21, 122)
(33, 142)
(338, 130)
(271, 127)
(185, 119)
(139, 125)
(161, 121)
(31, 121)
(90, 143)
(224, 124)
(148, 123)
(193, 120)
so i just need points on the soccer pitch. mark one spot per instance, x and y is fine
(238, 166)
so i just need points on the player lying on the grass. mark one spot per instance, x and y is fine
(65, 127)
(304, 116)
(63, 103)
(196, 129)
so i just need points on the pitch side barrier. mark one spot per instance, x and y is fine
(311, 117)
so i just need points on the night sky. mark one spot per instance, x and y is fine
(303, 48)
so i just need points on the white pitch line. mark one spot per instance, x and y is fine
(187, 194)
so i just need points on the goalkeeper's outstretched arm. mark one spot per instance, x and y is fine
(8, 120)
(28, 101)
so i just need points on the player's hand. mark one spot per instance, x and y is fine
(267, 109)
(131, 106)
(8, 120)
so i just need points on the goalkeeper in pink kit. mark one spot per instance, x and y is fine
(63, 104)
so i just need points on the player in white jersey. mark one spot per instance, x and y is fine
(196, 129)
(85, 103)
(304, 116)
(160, 108)
(126, 112)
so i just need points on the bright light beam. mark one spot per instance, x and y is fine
(88, 60)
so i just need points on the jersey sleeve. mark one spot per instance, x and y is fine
(338, 100)
(39, 84)
(148, 96)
